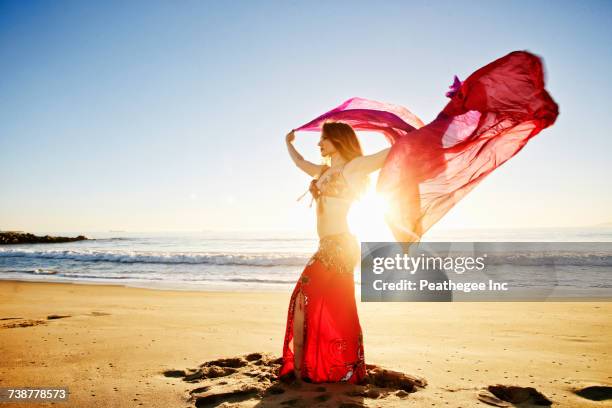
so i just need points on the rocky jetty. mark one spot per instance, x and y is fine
(18, 237)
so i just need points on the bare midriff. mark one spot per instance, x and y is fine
(333, 217)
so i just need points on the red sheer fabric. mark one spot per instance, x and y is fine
(332, 342)
(490, 118)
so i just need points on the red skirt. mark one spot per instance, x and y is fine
(332, 338)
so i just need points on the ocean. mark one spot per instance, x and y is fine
(258, 260)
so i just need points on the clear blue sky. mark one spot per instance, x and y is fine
(171, 115)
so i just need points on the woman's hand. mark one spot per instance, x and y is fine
(290, 136)
(308, 167)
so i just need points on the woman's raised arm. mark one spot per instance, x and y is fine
(368, 164)
(304, 165)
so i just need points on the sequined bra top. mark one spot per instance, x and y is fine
(333, 185)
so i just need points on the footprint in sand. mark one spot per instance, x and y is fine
(56, 316)
(251, 379)
(21, 323)
(16, 322)
(595, 393)
(508, 395)
(96, 314)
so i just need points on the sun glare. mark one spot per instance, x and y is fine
(367, 218)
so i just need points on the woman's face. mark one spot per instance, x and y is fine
(326, 146)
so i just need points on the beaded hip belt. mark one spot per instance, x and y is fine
(338, 251)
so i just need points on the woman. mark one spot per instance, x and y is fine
(323, 339)
(490, 117)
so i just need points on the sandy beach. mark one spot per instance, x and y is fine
(118, 342)
(173, 172)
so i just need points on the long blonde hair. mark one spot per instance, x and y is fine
(345, 140)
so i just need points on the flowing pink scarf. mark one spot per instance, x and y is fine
(490, 117)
